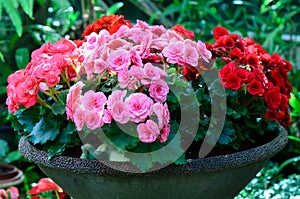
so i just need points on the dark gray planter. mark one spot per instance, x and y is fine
(217, 177)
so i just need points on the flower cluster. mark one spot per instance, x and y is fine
(252, 69)
(49, 65)
(121, 73)
(139, 56)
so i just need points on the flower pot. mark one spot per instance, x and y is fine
(211, 177)
(10, 176)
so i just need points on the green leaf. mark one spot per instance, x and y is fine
(2, 90)
(45, 130)
(68, 137)
(22, 57)
(1, 54)
(58, 109)
(13, 156)
(12, 11)
(28, 118)
(63, 96)
(228, 134)
(27, 6)
(120, 138)
(114, 8)
(295, 103)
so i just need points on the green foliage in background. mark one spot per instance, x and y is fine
(270, 183)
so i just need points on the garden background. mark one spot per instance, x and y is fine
(27, 24)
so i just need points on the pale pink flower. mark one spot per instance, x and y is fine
(100, 101)
(118, 60)
(99, 65)
(116, 95)
(152, 72)
(118, 43)
(140, 107)
(174, 51)
(93, 120)
(122, 31)
(148, 132)
(141, 24)
(107, 117)
(120, 112)
(137, 72)
(157, 31)
(135, 58)
(123, 78)
(205, 54)
(73, 99)
(162, 113)
(190, 55)
(159, 90)
(164, 133)
(92, 101)
(159, 43)
(92, 38)
(79, 118)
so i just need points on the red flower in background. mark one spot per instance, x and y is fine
(111, 23)
(249, 68)
(45, 185)
(219, 31)
(184, 32)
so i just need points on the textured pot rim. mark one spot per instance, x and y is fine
(202, 165)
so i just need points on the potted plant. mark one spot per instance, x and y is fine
(148, 104)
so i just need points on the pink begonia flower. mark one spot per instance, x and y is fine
(119, 44)
(164, 133)
(144, 50)
(52, 79)
(159, 90)
(190, 55)
(13, 193)
(3, 194)
(120, 112)
(73, 99)
(93, 101)
(135, 58)
(159, 43)
(140, 107)
(205, 54)
(93, 120)
(118, 60)
(137, 72)
(174, 51)
(79, 118)
(162, 113)
(148, 132)
(107, 117)
(123, 78)
(99, 65)
(116, 95)
(152, 72)
(25, 90)
(63, 46)
(92, 38)
(43, 86)
(142, 24)
(157, 31)
(121, 32)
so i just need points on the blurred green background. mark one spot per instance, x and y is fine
(26, 24)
